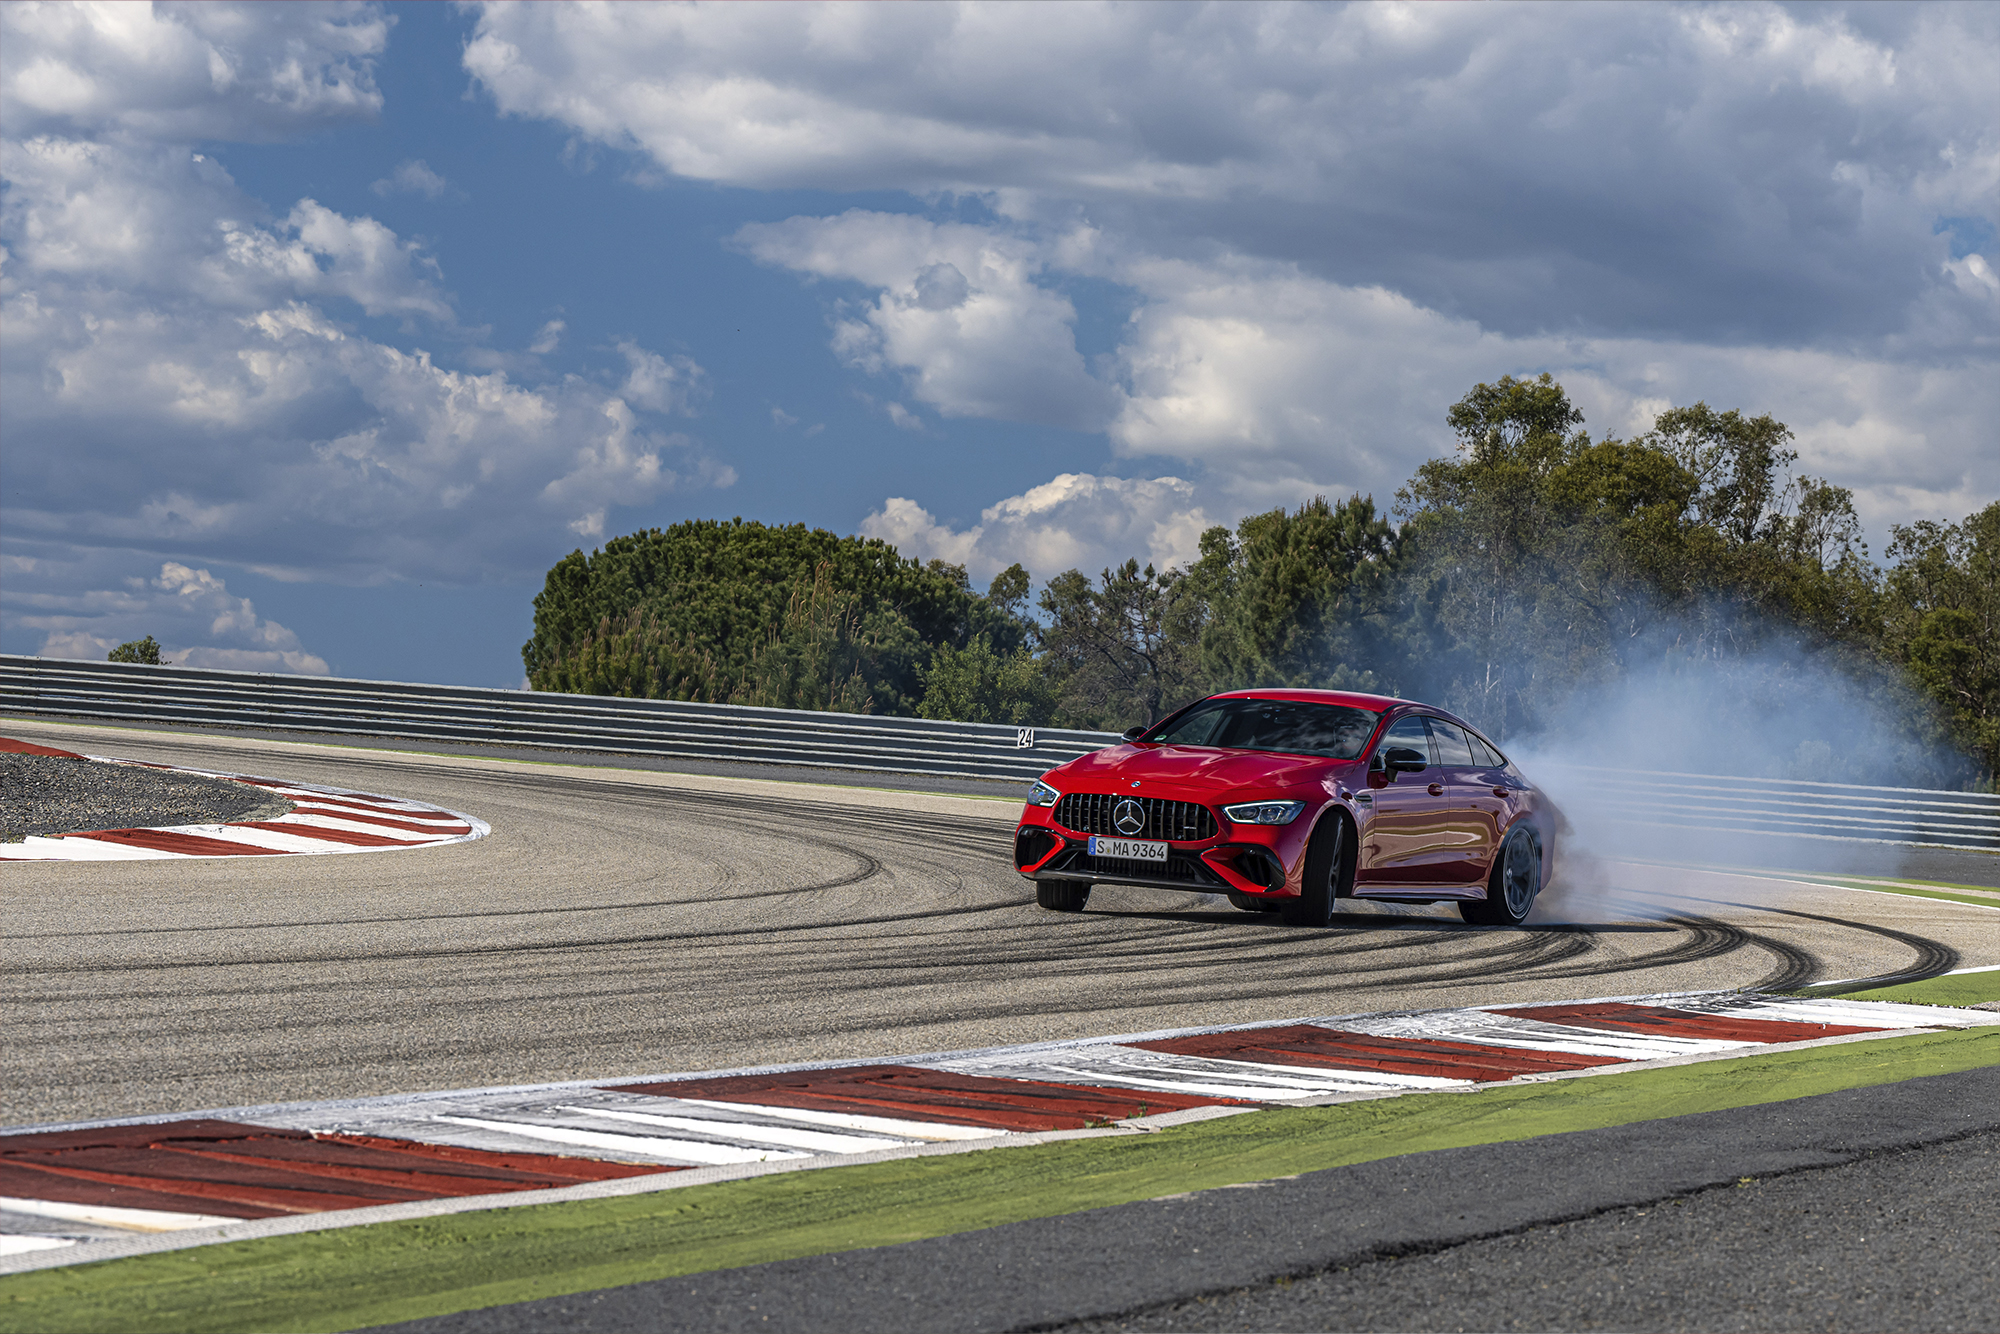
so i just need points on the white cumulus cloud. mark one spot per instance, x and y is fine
(190, 612)
(1073, 521)
(954, 309)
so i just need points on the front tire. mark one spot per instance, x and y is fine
(1511, 889)
(1326, 862)
(1061, 895)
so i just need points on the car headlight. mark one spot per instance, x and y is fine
(1264, 812)
(1041, 794)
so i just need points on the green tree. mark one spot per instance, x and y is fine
(145, 650)
(1943, 624)
(1279, 593)
(706, 610)
(977, 685)
(1123, 652)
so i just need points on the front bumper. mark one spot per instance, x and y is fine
(1043, 852)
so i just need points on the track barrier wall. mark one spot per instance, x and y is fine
(674, 729)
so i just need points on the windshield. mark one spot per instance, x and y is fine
(1293, 727)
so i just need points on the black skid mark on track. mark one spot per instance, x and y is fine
(1934, 957)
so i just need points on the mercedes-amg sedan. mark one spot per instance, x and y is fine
(1291, 800)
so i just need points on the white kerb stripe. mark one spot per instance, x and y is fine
(884, 1125)
(648, 1145)
(297, 820)
(818, 1141)
(104, 1215)
(75, 848)
(1367, 1078)
(15, 1243)
(429, 818)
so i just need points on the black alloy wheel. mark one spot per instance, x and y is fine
(1326, 862)
(1062, 895)
(1253, 902)
(1511, 890)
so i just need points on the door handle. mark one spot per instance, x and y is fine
(1500, 792)
(1435, 789)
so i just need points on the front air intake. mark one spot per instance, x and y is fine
(1166, 821)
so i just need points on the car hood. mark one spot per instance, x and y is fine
(1197, 771)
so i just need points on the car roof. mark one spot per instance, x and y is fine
(1352, 698)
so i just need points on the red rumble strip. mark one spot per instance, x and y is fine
(1311, 1045)
(325, 835)
(1658, 1021)
(933, 1095)
(241, 1171)
(9, 746)
(169, 840)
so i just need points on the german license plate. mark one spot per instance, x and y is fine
(1129, 849)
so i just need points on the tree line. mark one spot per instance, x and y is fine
(1533, 568)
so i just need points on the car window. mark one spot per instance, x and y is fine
(1484, 755)
(1407, 734)
(1294, 727)
(1452, 752)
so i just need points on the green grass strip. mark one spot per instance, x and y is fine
(348, 1277)
(1930, 884)
(1988, 902)
(1963, 989)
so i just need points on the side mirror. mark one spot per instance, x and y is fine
(1403, 760)
(1134, 733)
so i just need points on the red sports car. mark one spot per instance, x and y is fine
(1288, 800)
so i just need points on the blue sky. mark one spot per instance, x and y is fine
(329, 328)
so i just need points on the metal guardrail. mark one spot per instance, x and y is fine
(674, 729)
(1796, 808)
(740, 733)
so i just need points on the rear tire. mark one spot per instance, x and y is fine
(1253, 902)
(1511, 889)
(1061, 895)
(1326, 861)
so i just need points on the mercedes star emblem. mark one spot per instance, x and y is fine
(1129, 816)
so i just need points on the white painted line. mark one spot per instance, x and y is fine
(886, 1125)
(1214, 1077)
(1860, 1014)
(819, 1141)
(13, 1243)
(1358, 1078)
(104, 1215)
(681, 1150)
(1478, 1026)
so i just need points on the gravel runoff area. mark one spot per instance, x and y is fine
(47, 795)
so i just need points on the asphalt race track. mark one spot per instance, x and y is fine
(628, 923)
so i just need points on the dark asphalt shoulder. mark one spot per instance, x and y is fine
(1334, 1249)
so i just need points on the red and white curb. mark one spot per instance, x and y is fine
(83, 1192)
(324, 820)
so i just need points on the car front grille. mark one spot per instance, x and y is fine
(1167, 821)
